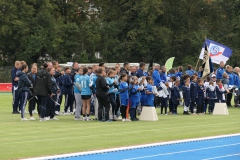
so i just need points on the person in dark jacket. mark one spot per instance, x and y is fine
(59, 83)
(32, 99)
(43, 88)
(211, 96)
(176, 97)
(200, 94)
(102, 96)
(68, 90)
(15, 94)
(23, 89)
(220, 91)
(193, 92)
(51, 101)
(186, 97)
(140, 71)
(125, 69)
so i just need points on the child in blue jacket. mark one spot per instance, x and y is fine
(211, 97)
(186, 97)
(86, 93)
(111, 81)
(149, 92)
(124, 95)
(176, 97)
(134, 97)
(200, 94)
(193, 92)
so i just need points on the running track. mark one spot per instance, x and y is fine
(221, 147)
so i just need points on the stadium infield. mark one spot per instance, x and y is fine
(35, 139)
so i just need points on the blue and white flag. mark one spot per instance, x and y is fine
(218, 52)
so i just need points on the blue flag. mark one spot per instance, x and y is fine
(218, 52)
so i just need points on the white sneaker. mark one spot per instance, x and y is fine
(71, 113)
(42, 120)
(84, 118)
(56, 112)
(66, 113)
(47, 118)
(24, 119)
(123, 120)
(54, 118)
(128, 120)
(77, 119)
(88, 119)
(34, 111)
(32, 119)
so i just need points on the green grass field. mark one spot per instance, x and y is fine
(33, 139)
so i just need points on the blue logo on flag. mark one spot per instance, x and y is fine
(214, 50)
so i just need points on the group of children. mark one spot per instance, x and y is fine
(129, 93)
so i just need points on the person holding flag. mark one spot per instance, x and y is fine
(207, 66)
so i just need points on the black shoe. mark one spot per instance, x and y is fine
(136, 119)
(185, 113)
(15, 112)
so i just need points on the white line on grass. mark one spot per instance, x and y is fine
(91, 127)
(229, 155)
(185, 151)
(97, 135)
(133, 147)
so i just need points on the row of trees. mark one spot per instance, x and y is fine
(120, 30)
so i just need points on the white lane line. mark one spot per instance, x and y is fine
(132, 147)
(62, 129)
(229, 155)
(97, 135)
(186, 151)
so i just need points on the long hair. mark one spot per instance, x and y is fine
(122, 76)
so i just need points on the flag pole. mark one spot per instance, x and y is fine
(197, 65)
(198, 58)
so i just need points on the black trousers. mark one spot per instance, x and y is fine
(118, 104)
(103, 106)
(50, 110)
(113, 102)
(31, 105)
(42, 103)
(229, 98)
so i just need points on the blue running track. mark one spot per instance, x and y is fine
(221, 148)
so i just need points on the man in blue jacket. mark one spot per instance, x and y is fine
(141, 69)
(236, 85)
(68, 90)
(15, 93)
(156, 75)
(163, 75)
(220, 71)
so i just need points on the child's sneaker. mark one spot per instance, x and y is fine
(84, 118)
(88, 119)
(128, 120)
(32, 119)
(24, 119)
(42, 120)
(123, 120)
(54, 118)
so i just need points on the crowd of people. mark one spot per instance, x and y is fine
(121, 90)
